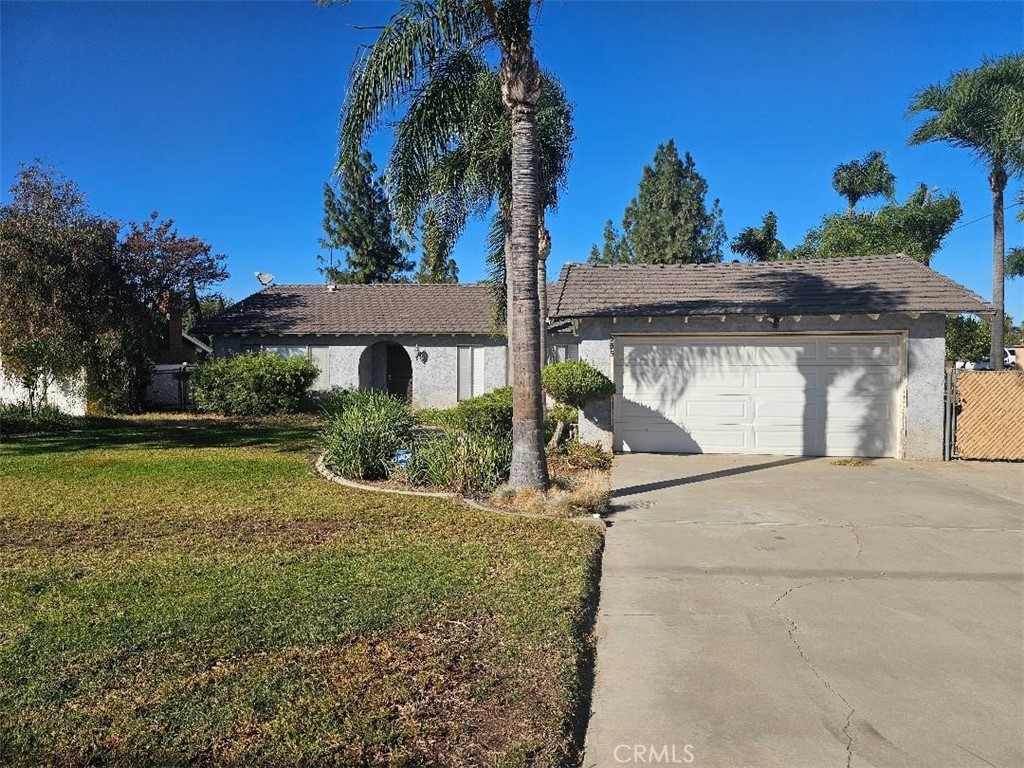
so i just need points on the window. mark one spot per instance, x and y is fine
(321, 358)
(470, 372)
(287, 350)
(559, 353)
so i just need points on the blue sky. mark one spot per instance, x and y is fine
(224, 115)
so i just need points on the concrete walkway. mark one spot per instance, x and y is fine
(763, 611)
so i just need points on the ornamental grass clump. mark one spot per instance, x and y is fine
(360, 441)
(466, 463)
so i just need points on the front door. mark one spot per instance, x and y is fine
(399, 370)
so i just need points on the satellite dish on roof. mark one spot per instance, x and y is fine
(264, 278)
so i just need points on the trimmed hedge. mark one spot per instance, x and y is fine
(490, 413)
(575, 383)
(253, 384)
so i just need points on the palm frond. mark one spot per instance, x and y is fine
(437, 114)
(497, 271)
(386, 73)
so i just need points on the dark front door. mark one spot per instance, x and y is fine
(399, 368)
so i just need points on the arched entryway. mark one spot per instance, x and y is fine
(387, 367)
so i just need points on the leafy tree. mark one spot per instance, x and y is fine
(967, 337)
(160, 263)
(58, 262)
(760, 243)
(1015, 262)
(357, 220)
(435, 265)
(982, 111)
(668, 222)
(421, 42)
(916, 228)
(858, 179)
(73, 296)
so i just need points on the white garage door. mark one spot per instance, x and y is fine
(782, 394)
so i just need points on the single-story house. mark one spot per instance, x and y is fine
(832, 357)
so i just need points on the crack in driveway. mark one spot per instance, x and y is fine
(807, 661)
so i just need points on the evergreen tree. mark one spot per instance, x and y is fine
(760, 243)
(358, 221)
(611, 250)
(435, 264)
(668, 222)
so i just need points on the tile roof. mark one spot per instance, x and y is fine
(850, 285)
(348, 309)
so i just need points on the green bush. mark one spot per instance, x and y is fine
(490, 413)
(361, 440)
(253, 384)
(575, 383)
(579, 455)
(17, 419)
(466, 463)
(336, 401)
(437, 417)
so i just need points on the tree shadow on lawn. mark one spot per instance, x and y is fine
(284, 435)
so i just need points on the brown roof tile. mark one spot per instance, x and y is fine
(851, 285)
(350, 309)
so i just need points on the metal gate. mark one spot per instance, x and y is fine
(170, 388)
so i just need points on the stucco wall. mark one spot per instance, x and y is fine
(68, 398)
(922, 433)
(434, 361)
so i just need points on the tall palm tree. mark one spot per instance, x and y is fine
(427, 36)
(982, 110)
(454, 155)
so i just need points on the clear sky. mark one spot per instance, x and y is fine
(224, 115)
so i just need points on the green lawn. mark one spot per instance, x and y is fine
(192, 593)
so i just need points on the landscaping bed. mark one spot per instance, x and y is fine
(190, 592)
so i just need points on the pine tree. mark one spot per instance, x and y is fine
(668, 222)
(436, 266)
(358, 221)
(760, 243)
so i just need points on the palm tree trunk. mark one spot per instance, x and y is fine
(520, 81)
(997, 182)
(543, 250)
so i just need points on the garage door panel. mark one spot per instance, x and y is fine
(784, 380)
(864, 352)
(716, 408)
(827, 395)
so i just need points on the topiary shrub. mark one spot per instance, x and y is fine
(360, 440)
(253, 384)
(574, 383)
(490, 413)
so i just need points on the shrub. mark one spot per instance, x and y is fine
(437, 417)
(579, 455)
(17, 419)
(336, 401)
(467, 463)
(490, 413)
(253, 384)
(575, 383)
(361, 440)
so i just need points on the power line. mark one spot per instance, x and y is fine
(982, 218)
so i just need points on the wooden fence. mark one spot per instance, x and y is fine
(989, 415)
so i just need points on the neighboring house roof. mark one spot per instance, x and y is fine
(202, 346)
(848, 285)
(388, 308)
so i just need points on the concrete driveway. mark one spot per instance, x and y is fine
(764, 611)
